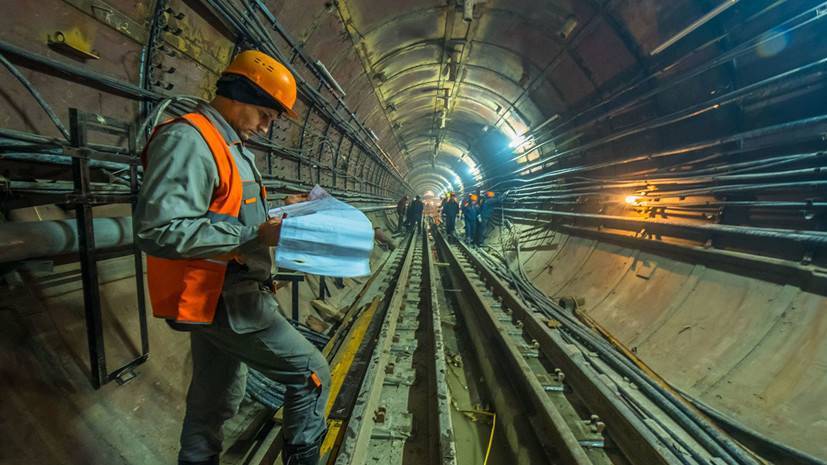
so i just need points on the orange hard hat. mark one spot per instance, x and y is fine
(489, 194)
(268, 75)
(473, 196)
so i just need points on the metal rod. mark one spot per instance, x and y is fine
(818, 238)
(695, 25)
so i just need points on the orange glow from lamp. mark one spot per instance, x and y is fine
(632, 199)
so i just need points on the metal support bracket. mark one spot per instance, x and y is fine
(80, 125)
(295, 279)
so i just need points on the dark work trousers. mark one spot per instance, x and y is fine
(219, 368)
(401, 223)
(450, 224)
(480, 231)
(470, 229)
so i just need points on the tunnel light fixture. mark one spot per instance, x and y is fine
(373, 134)
(468, 10)
(329, 78)
(568, 27)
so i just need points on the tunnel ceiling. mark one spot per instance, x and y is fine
(455, 83)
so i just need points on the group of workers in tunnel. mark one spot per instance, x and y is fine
(475, 211)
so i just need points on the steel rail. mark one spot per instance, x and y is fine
(700, 429)
(383, 417)
(627, 430)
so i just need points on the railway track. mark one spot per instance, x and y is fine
(455, 345)
(401, 411)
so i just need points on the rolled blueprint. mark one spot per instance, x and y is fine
(325, 237)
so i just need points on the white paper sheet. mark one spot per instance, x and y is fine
(325, 237)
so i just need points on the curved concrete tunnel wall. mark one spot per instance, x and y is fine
(751, 349)
(605, 98)
(616, 112)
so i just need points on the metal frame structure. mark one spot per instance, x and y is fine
(84, 199)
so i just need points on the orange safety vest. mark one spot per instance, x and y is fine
(187, 290)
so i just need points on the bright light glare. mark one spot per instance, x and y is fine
(516, 142)
(632, 199)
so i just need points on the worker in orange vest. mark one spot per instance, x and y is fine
(201, 218)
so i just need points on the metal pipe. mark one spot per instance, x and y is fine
(809, 16)
(37, 239)
(786, 127)
(818, 238)
(60, 159)
(695, 25)
(786, 27)
(779, 80)
(304, 87)
(121, 87)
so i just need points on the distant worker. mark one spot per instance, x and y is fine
(450, 209)
(486, 212)
(201, 218)
(414, 215)
(401, 209)
(470, 218)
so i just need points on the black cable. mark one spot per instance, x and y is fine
(704, 433)
(40, 100)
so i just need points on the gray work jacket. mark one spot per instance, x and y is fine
(171, 221)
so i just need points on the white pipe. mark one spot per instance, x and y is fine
(34, 239)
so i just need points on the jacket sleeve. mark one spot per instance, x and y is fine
(170, 218)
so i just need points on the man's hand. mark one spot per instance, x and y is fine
(269, 232)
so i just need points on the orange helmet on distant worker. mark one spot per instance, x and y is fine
(268, 75)
(474, 197)
(489, 194)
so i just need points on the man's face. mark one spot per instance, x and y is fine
(249, 119)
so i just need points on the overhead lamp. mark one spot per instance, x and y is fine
(468, 10)
(329, 77)
(632, 199)
(568, 27)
